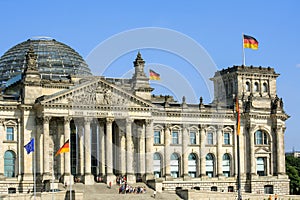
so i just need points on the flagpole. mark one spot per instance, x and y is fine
(34, 169)
(53, 173)
(244, 57)
(70, 152)
(238, 150)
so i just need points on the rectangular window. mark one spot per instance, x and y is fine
(192, 138)
(175, 137)
(260, 166)
(9, 133)
(156, 137)
(226, 138)
(210, 138)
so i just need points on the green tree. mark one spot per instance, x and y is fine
(293, 171)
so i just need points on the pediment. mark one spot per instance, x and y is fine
(262, 150)
(97, 92)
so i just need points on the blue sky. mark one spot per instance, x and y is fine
(216, 25)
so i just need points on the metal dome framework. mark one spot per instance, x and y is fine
(55, 60)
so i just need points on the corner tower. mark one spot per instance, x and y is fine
(140, 82)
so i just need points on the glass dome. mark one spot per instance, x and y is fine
(55, 60)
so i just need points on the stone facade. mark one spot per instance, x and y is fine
(116, 127)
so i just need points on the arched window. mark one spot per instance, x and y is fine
(261, 138)
(247, 87)
(174, 165)
(226, 165)
(9, 163)
(210, 165)
(256, 87)
(265, 87)
(157, 165)
(192, 165)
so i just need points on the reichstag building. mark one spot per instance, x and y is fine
(116, 126)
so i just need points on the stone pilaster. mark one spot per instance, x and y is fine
(219, 151)
(202, 151)
(185, 152)
(149, 151)
(252, 152)
(1, 149)
(20, 153)
(129, 152)
(88, 177)
(280, 150)
(167, 150)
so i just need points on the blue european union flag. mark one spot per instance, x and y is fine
(30, 146)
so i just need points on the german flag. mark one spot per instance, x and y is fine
(250, 42)
(154, 75)
(65, 148)
(238, 121)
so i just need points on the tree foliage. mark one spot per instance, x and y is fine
(293, 171)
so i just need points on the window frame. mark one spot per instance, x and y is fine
(10, 136)
(210, 138)
(193, 140)
(175, 140)
(157, 137)
(226, 139)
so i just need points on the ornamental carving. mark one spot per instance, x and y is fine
(98, 95)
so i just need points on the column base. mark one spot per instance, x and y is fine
(169, 177)
(88, 179)
(20, 177)
(186, 177)
(110, 179)
(47, 176)
(68, 179)
(131, 179)
(147, 177)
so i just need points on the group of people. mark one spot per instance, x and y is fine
(128, 189)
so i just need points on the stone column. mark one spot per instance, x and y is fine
(68, 178)
(109, 151)
(141, 140)
(280, 150)
(46, 151)
(122, 152)
(219, 151)
(80, 148)
(185, 152)
(88, 177)
(149, 151)
(102, 147)
(129, 152)
(167, 151)
(202, 151)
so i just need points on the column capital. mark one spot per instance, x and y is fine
(148, 122)
(46, 119)
(202, 127)
(167, 126)
(110, 120)
(67, 119)
(129, 120)
(87, 120)
(220, 127)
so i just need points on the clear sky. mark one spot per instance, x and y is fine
(215, 25)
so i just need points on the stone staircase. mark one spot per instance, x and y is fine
(101, 191)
